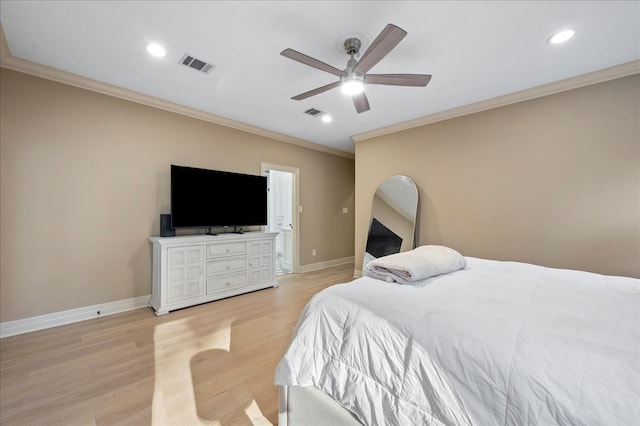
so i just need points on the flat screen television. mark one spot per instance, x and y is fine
(215, 198)
(381, 240)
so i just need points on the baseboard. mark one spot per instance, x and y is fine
(323, 265)
(12, 328)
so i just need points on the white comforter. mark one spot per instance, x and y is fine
(497, 343)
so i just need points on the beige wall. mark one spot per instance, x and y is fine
(553, 181)
(85, 176)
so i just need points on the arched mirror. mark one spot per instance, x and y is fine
(393, 218)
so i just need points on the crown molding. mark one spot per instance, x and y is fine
(619, 71)
(16, 64)
(10, 62)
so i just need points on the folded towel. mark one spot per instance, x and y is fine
(417, 264)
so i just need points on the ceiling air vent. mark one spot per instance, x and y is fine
(196, 64)
(313, 112)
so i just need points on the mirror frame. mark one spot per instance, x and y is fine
(392, 224)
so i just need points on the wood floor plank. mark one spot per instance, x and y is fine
(211, 364)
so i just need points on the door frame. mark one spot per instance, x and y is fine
(295, 205)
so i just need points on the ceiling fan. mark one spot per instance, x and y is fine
(354, 76)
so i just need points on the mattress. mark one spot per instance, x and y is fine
(499, 343)
(308, 406)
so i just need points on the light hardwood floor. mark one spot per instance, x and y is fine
(209, 364)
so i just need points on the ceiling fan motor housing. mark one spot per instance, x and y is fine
(352, 46)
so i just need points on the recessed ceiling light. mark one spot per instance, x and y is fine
(561, 36)
(326, 118)
(156, 50)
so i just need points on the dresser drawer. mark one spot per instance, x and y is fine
(228, 249)
(226, 282)
(226, 266)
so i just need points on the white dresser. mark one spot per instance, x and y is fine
(189, 270)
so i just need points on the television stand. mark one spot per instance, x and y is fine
(194, 269)
(211, 233)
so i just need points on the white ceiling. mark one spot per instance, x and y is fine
(475, 50)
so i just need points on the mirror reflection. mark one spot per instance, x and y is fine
(393, 218)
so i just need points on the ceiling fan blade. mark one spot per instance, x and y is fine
(316, 91)
(361, 102)
(398, 79)
(312, 62)
(386, 40)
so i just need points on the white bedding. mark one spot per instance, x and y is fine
(497, 343)
(418, 264)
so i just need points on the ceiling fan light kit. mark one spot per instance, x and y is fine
(354, 77)
(352, 85)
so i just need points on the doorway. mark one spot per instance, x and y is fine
(282, 217)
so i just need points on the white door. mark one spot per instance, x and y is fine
(282, 215)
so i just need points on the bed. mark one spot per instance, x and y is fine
(473, 342)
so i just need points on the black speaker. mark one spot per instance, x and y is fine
(165, 226)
